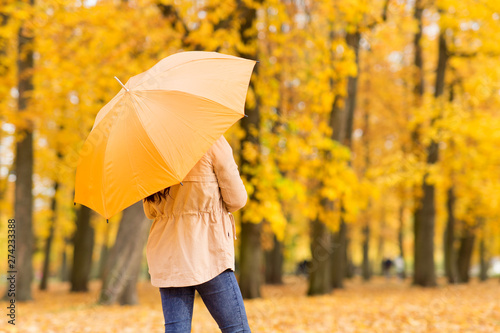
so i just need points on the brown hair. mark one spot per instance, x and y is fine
(162, 194)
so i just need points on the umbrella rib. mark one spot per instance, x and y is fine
(203, 134)
(173, 113)
(103, 168)
(184, 63)
(107, 108)
(190, 94)
(130, 161)
(112, 126)
(128, 151)
(152, 141)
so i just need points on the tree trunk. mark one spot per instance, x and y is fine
(23, 206)
(465, 255)
(321, 249)
(366, 271)
(424, 271)
(418, 89)
(450, 263)
(349, 266)
(320, 272)
(400, 239)
(339, 256)
(483, 260)
(418, 61)
(104, 253)
(124, 260)
(365, 267)
(82, 253)
(250, 250)
(352, 40)
(340, 264)
(250, 247)
(381, 242)
(48, 242)
(250, 278)
(63, 273)
(274, 263)
(441, 66)
(4, 71)
(250, 260)
(129, 294)
(4, 20)
(343, 133)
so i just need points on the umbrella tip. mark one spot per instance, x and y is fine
(107, 221)
(182, 184)
(74, 203)
(246, 116)
(120, 82)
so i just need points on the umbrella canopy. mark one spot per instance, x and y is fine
(152, 133)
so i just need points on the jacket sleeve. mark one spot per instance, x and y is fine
(231, 186)
(148, 210)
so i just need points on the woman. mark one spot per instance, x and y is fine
(191, 246)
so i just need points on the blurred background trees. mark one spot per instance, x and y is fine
(372, 133)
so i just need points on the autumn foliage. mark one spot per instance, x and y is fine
(377, 127)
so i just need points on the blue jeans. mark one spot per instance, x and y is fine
(221, 296)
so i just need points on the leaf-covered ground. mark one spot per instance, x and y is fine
(379, 306)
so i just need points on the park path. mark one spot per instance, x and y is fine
(379, 306)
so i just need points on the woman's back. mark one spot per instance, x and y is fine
(191, 238)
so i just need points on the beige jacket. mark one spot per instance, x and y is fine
(192, 236)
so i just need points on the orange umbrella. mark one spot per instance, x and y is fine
(152, 133)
